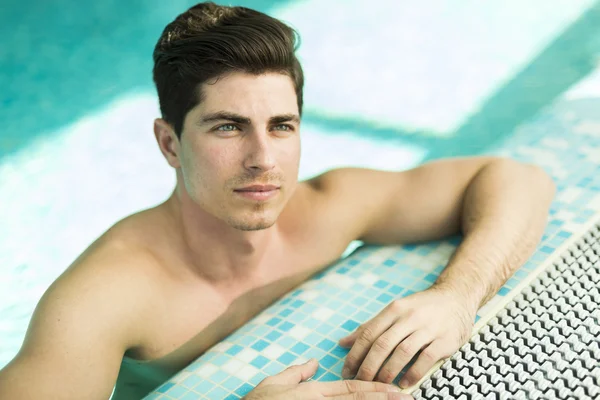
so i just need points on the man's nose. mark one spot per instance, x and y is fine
(260, 155)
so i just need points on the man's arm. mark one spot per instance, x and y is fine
(76, 338)
(503, 217)
(500, 206)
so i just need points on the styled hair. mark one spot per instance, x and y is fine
(208, 41)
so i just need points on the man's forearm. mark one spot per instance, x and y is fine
(504, 213)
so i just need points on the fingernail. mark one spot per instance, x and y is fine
(346, 373)
(404, 383)
(393, 388)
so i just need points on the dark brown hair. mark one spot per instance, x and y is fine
(208, 41)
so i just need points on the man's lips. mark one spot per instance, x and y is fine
(258, 188)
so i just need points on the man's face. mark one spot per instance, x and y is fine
(244, 133)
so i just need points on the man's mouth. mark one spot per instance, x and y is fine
(258, 188)
(258, 192)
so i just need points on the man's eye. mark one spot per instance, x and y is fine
(226, 128)
(284, 127)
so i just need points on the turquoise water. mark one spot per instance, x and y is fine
(387, 86)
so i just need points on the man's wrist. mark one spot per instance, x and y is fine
(460, 292)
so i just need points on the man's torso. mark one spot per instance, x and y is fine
(190, 315)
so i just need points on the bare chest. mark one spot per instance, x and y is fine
(192, 321)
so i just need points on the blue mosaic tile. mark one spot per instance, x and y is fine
(232, 383)
(191, 381)
(350, 325)
(286, 326)
(218, 393)
(381, 284)
(329, 377)
(286, 358)
(165, 387)
(190, 396)
(244, 389)
(273, 335)
(219, 376)
(326, 344)
(260, 362)
(260, 345)
(384, 298)
(234, 350)
(299, 348)
(204, 387)
(339, 351)
(328, 361)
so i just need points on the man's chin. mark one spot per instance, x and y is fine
(251, 224)
(257, 226)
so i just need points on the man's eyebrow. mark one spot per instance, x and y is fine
(224, 116)
(240, 119)
(277, 119)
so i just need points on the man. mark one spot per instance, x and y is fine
(165, 284)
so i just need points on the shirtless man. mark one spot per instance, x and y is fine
(163, 285)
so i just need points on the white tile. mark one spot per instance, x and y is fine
(565, 215)
(323, 313)
(299, 332)
(594, 202)
(273, 351)
(247, 372)
(382, 254)
(338, 280)
(206, 370)
(232, 366)
(368, 279)
(247, 355)
(262, 318)
(569, 194)
(308, 295)
(180, 376)
(222, 347)
(298, 361)
(572, 227)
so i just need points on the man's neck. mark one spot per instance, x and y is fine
(220, 254)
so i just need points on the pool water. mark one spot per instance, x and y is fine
(387, 86)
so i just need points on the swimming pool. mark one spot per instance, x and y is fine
(392, 85)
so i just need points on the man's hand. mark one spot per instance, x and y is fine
(290, 385)
(436, 320)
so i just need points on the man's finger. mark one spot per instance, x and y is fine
(404, 353)
(425, 361)
(367, 334)
(349, 340)
(381, 350)
(373, 396)
(293, 375)
(338, 388)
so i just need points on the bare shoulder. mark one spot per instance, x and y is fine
(344, 198)
(85, 321)
(332, 209)
(115, 278)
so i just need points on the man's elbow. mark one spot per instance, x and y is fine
(542, 181)
(537, 179)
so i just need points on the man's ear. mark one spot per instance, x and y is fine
(167, 142)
